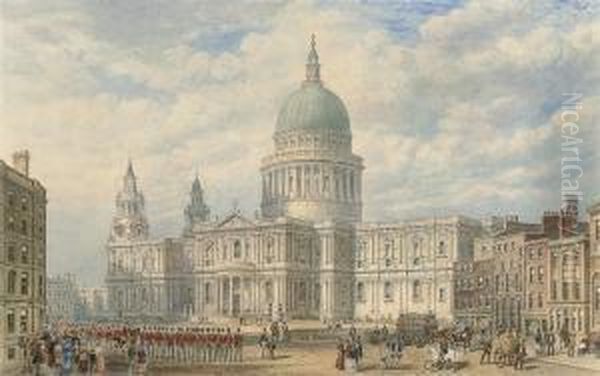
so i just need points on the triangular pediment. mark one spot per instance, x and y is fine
(235, 220)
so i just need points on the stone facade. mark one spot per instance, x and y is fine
(535, 314)
(22, 258)
(568, 301)
(64, 301)
(474, 292)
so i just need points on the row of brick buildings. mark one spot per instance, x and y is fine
(22, 258)
(528, 276)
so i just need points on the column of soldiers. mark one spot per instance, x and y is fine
(169, 344)
(193, 345)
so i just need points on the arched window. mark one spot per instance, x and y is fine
(237, 249)
(416, 290)
(12, 282)
(442, 248)
(269, 291)
(24, 283)
(360, 292)
(388, 291)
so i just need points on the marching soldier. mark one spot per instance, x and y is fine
(238, 343)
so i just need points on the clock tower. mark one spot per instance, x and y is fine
(129, 222)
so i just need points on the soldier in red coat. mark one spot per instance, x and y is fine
(238, 345)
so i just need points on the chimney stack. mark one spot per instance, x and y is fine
(569, 214)
(21, 161)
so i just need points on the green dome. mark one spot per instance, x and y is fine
(313, 107)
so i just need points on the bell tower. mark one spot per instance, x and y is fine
(196, 211)
(129, 222)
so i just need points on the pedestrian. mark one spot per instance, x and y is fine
(520, 355)
(100, 362)
(487, 351)
(550, 351)
(238, 343)
(131, 353)
(341, 355)
(263, 342)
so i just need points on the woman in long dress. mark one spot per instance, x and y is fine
(100, 365)
(339, 360)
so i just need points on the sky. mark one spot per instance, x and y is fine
(455, 106)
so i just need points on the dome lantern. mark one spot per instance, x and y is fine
(313, 67)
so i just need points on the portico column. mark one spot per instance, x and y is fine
(218, 283)
(230, 296)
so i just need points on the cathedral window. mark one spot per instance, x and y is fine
(269, 291)
(576, 291)
(441, 248)
(23, 321)
(237, 249)
(10, 321)
(442, 295)
(24, 254)
(12, 282)
(11, 254)
(24, 283)
(416, 290)
(565, 291)
(360, 292)
(388, 291)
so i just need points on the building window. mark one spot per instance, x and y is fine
(24, 204)
(12, 282)
(388, 291)
(24, 254)
(530, 301)
(207, 295)
(24, 283)
(576, 294)
(11, 254)
(540, 274)
(237, 249)
(540, 300)
(11, 354)
(416, 290)
(24, 227)
(442, 295)
(269, 291)
(360, 292)
(23, 321)
(40, 286)
(531, 274)
(565, 290)
(10, 322)
(598, 298)
(553, 290)
(11, 224)
(441, 248)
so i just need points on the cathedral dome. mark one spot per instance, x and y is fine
(312, 106)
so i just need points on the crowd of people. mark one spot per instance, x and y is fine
(68, 348)
(350, 351)
(277, 332)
